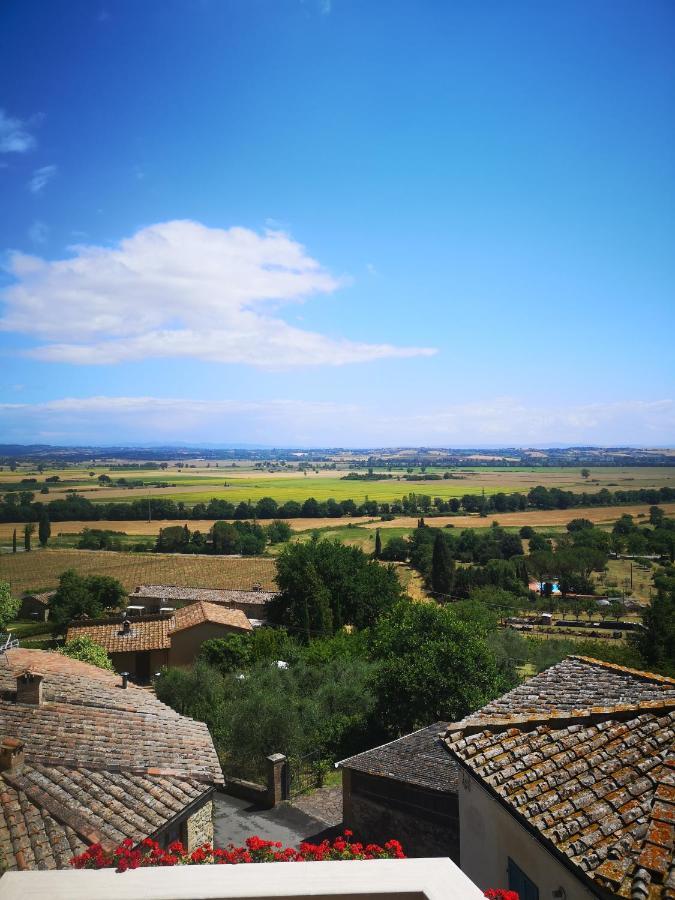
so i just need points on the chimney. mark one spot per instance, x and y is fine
(29, 688)
(11, 755)
(126, 627)
(125, 679)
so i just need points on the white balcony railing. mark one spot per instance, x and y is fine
(405, 879)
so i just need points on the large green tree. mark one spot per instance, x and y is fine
(656, 640)
(325, 585)
(78, 596)
(432, 665)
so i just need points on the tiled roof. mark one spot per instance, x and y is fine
(144, 634)
(419, 758)
(578, 683)
(593, 779)
(101, 762)
(190, 595)
(200, 612)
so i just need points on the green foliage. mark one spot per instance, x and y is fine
(278, 532)
(78, 596)
(28, 531)
(325, 585)
(44, 529)
(9, 607)
(395, 550)
(86, 650)
(378, 545)
(656, 641)
(442, 567)
(579, 524)
(310, 705)
(100, 539)
(432, 665)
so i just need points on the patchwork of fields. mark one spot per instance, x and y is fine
(246, 483)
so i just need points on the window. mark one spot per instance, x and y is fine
(519, 882)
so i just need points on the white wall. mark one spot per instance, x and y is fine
(489, 835)
(421, 879)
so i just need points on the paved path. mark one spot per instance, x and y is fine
(235, 820)
(324, 803)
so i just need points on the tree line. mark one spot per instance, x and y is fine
(21, 506)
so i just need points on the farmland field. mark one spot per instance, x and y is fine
(41, 569)
(536, 518)
(247, 483)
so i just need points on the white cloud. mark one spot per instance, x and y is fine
(38, 232)
(14, 135)
(40, 178)
(179, 289)
(501, 422)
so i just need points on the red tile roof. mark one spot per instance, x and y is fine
(200, 612)
(144, 634)
(153, 632)
(101, 762)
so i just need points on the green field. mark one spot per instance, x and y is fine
(245, 483)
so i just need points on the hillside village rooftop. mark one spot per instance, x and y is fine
(82, 760)
(154, 632)
(583, 757)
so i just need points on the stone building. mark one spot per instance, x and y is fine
(143, 644)
(153, 597)
(406, 788)
(84, 759)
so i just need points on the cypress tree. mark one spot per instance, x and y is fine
(14, 542)
(44, 529)
(27, 533)
(378, 544)
(442, 566)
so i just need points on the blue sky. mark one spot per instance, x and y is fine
(337, 222)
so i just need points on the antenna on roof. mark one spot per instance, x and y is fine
(7, 642)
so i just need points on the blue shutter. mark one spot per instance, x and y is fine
(520, 883)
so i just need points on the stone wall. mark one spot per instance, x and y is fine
(200, 826)
(378, 809)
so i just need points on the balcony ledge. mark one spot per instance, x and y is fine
(406, 879)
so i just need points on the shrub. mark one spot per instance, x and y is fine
(86, 650)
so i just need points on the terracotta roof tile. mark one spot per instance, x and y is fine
(143, 634)
(200, 612)
(153, 632)
(101, 762)
(595, 783)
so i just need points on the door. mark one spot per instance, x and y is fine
(143, 667)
